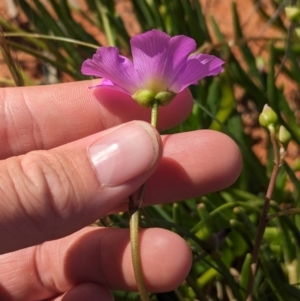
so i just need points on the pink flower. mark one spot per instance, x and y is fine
(160, 64)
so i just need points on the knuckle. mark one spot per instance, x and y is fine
(48, 174)
(20, 131)
(43, 187)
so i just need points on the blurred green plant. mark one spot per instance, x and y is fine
(220, 227)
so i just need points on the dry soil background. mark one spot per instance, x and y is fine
(253, 25)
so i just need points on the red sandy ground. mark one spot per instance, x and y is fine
(253, 25)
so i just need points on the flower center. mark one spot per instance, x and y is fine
(153, 91)
(156, 85)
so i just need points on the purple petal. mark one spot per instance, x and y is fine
(108, 84)
(158, 56)
(197, 67)
(107, 63)
(180, 48)
(160, 63)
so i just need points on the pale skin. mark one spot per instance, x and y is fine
(50, 192)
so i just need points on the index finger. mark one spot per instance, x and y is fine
(45, 117)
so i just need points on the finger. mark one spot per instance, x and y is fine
(101, 256)
(44, 117)
(197, 163)
(86, 291)
(50, 194)
(193, 164)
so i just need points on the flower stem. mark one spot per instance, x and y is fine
(154, 114)
(263, 218)
(135, 246)
(134, 226)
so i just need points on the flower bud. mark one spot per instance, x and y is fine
(268, 118)
(284, 136)
(260, 63)
(164, 97)
(292, 13)
(144, 98)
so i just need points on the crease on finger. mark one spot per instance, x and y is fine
(4, 136)
(34, 129)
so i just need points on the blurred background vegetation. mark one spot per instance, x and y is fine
(53, 37)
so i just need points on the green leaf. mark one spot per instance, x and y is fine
(246, 52)
(227, 104)
(239, 76)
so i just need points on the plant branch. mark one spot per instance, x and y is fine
(283, 213)
(208, 47)
(263, 221)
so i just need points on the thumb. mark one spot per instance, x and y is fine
(50, 194)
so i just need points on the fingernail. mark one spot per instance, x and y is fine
(124, 153)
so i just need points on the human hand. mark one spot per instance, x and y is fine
(50, 189)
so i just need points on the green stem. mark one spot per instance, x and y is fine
(135, 246)
(154, 114)
(48, 37)
(134, 226)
